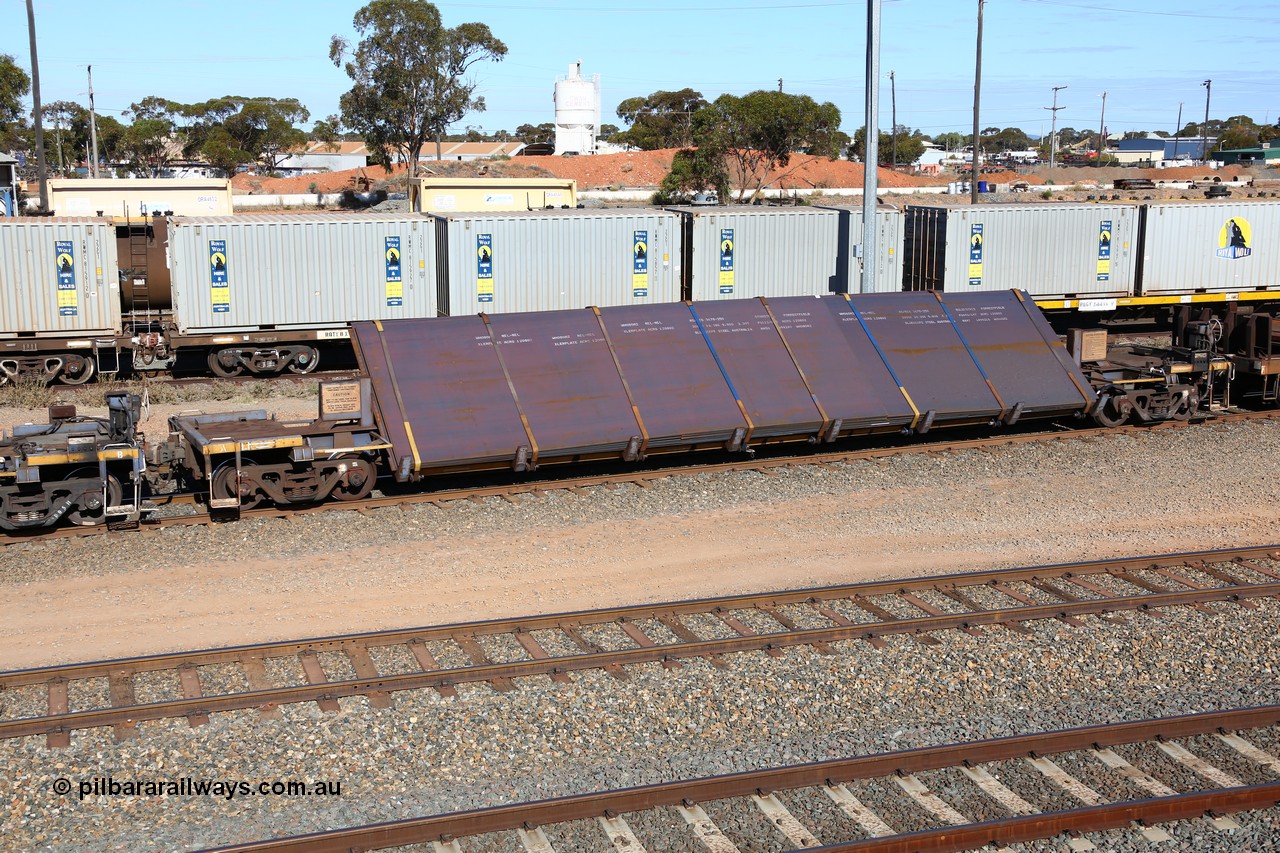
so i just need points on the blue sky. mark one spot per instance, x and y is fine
(1148, 55)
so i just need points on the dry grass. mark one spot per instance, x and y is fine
(33, 394)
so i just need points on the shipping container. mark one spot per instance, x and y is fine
(58, 277)
(135, 198)
(249, 273)
(1052, 251)
(888, 248)
(544, 260)
(442, 195)
(743, 251)
(1211, 247)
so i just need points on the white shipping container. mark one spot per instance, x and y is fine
(738, 252)
(549, 260)
(58, 277)
(1052, 251)
(247, 273)
(1211, 247)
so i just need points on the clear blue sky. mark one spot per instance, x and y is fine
(1149, 55)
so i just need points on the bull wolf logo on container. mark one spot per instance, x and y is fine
(1234, 239)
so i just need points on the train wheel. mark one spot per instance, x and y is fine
(1112, 410)
(225, 485)
(305, 362)
(77, 370)
(93, 511)
(219, 369)
(358, 482)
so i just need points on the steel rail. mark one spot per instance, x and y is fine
(59, 723)
(610, 803)
(643, 478)
(631, 613)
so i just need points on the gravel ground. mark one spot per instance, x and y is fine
(429, 754)
(228, 584)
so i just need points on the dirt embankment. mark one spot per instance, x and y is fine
(646, 169)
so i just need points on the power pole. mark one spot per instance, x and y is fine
(872, 157)
(93, 130)
(41, 166)
(1176, 131)
(1204, 128)
(893, 101)
(779, 84)
(977, 99)
(1102, 131)
(1053, 133)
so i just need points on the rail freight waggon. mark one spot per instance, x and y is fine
(266, 294)
(519, 392)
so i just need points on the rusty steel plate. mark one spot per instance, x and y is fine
(927, 355)
(679, 389)
(1019, 352)
(566, 382)
(846, 374)
(442, 397)
(758, 366)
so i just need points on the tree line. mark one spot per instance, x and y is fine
(410, 84)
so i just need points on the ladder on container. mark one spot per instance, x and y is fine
(140, 236)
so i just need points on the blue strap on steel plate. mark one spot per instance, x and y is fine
(960, 334)
(883, 359)
(714, 354)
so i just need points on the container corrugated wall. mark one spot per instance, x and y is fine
(889, 243)
(294, 272)
(737, 252)
(1211, 247)
(59, 277)
(1052, 251)
(500, 263)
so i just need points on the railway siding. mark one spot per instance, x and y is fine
(486, 746)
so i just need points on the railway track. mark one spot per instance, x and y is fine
(784, 801)
(515, 491)
(124, 692)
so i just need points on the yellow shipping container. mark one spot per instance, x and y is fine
(449, 195)
(138, 197)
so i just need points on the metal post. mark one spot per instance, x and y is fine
(41, 166)
(1053, 132)
(977, 99)
(1204, 128)
(1176, 131)
(893, 116)
(93, 130)
(872, 157)
(1102, 131)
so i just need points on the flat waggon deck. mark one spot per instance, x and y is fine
(517, 390)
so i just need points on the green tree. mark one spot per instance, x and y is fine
(66, 134)
(1008, 139)
(952, 141)
(531, 133)
(694, 170)
(110, 135)
(1238, 137)
(149, 144)
(756, 134)
(233, 131)
(328, 131)
(660, 120)
(609, 131)
(14, 86)
(910, 146)
(409, 76)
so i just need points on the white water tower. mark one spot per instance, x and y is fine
(577, 112)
